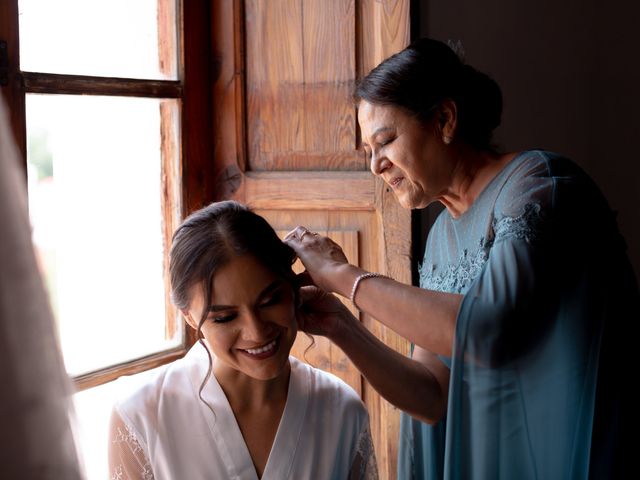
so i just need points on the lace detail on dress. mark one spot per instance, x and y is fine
(523, 227)
(364, 466)
(457, 277)
(127, 458)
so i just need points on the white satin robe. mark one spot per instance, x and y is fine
(163, 431)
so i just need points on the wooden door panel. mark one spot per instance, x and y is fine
(309, 190)
(285, 143)
(300, 72)
(275, 80)
(329, 120)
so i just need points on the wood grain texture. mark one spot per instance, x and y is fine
(170, 202)
(329, 72)
(105, 375)
(168, 38)
(228, 107)
(300, 74)
(88, 85)
(197, 151)
(310, 190)
(170, 157)
(396, 224)
(300, 161)
(275, 79)
(383, 29)
(13, 92)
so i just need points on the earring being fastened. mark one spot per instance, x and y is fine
(307, 232)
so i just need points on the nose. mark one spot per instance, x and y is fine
(379, 163)
(255, 328)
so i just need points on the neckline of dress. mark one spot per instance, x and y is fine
(487, 188)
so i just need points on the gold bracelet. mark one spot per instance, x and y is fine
(357, 281)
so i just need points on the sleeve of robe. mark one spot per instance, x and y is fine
(127, 457)
(364, 466)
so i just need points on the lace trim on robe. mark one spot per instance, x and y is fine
(364, 466)
(456, 278)
(127, 458)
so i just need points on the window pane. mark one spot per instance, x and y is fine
(110, 38)
(93, 410)
(94, 171)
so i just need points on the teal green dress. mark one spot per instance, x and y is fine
(539, 385)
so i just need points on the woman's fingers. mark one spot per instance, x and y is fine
(298, 233)
(319, 255)
(305, 279)
(322, 313)
(301, 236)
(309, 293)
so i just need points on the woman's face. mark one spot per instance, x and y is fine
(407, 154)
(251, 319)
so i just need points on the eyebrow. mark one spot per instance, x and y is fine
(269, 289)
(377, 132)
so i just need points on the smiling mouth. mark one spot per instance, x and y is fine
(264, 351)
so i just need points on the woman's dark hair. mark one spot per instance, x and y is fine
(211, 237)
(424, 74)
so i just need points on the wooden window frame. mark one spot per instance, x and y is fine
(191, 89)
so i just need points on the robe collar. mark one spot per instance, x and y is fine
(226, 436)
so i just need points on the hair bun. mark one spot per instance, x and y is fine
(481, 104)
(429, 71)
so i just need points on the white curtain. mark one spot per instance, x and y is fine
(37, 441)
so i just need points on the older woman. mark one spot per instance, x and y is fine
(520, 327)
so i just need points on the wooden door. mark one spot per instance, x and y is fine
(285, 142)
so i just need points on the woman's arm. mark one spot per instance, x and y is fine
(127, 458)
(418, 385)
(426, 318)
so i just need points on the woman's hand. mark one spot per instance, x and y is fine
(320, 255)
(322, 313)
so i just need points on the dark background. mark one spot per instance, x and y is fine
(569, 72)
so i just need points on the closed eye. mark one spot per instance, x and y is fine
(272, 300)
(223, 318)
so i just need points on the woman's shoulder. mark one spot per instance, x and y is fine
(531, 179)
(327, 388)
(143, 392)
(543, 163)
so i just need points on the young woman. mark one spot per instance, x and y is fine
(237, 405)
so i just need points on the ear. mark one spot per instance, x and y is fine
(189, 319)
(447, 120)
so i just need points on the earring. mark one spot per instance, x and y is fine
(446, 139)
